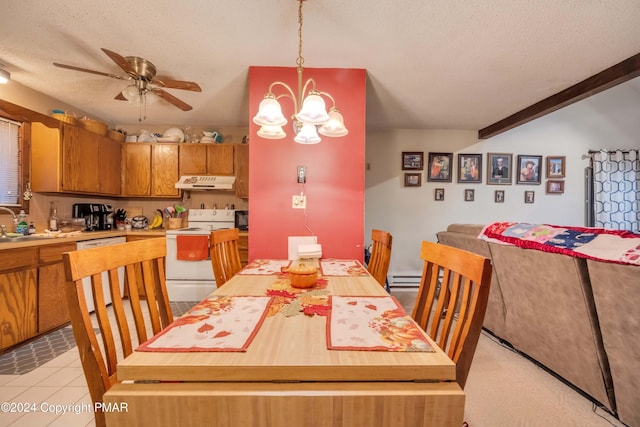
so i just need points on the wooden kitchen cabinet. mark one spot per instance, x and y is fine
(150, 170)
(69, 159)
(18, 295)
(207, 159)
(52, 302)
(241, 160)
(243, 248)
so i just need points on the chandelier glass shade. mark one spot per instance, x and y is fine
(5, 76)
(312, 117)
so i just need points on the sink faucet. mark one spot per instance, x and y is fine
(15, 220)
(4, 231)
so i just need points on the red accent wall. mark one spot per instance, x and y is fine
(335, 170)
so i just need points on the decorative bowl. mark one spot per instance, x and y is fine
(303, 276)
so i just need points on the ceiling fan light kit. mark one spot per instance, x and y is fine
(141, 74)
(311, 119)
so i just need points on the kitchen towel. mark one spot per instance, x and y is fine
(192, 248)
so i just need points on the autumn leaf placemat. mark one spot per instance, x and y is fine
(218, 323)
(337, 267)
(265, 266)
(372, 323)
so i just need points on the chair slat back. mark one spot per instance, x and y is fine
(452, 301)
(378, 264)
(143, 262)
(225, 257)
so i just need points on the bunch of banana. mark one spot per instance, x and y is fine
(157, 220)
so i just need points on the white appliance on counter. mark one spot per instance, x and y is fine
(86, 282)
(194, 280)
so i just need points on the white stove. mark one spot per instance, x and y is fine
(194, 280)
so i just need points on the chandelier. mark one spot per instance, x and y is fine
(311, 119)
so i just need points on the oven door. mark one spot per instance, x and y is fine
(185, 270)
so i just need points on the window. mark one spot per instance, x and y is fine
(11, 163)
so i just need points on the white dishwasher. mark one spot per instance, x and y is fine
(95, 243)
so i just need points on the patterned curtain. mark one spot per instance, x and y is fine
(616, 189)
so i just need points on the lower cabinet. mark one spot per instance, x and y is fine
(52, 301)
(243, 248)
(18, 295)
(32, 297)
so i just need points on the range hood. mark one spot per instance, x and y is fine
(205, 182)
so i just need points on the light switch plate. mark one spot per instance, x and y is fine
(298, 201)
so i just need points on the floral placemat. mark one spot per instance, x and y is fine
(373, 323)
(265, 266)
(290, 301)
(336, 267)
(218, 323)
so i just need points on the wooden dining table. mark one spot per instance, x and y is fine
(287, 376)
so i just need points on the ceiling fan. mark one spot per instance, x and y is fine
(142, 74)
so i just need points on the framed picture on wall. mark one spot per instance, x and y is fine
(499, 196)
(439, 194)
(412, 160)
(555, 186)
(529, 168)
(440, 167)
(412, 179)
(469, 167)
(499, 168)
(529, 196)
(469, 195)
(555, 166)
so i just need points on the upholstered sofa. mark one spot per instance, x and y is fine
(578, 318)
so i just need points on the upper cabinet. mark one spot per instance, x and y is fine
(241, 159)
(149, 170)
(207, 159)
(73, 160)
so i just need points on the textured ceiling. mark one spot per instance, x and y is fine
(437, 64)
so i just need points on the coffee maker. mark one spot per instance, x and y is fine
(96, 216)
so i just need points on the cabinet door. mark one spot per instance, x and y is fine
(52, 302)
(109, 169)
(17, 306)
(164, 170)
(241, 157)
(79, 160)
(220, 159)
(193, 159)
(136, 179)
(243, 249)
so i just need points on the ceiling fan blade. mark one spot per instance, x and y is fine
(176, 84)
(172, 99)
(120, 62)
(86, 70)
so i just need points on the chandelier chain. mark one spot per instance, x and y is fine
(300, 59)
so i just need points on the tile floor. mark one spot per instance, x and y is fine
(58, 382)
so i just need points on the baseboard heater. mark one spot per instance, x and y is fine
(404, 281)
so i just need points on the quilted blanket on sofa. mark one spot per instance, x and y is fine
(622, 247)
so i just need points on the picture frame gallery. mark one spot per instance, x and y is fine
(501, 169)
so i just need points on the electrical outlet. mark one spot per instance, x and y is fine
(299, 201)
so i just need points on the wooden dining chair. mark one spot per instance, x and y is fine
(143, 265)
(225, 257)
(378, 264)
(452, 301)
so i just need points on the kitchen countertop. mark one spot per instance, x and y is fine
(87, 235)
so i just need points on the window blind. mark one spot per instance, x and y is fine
(9, 162)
